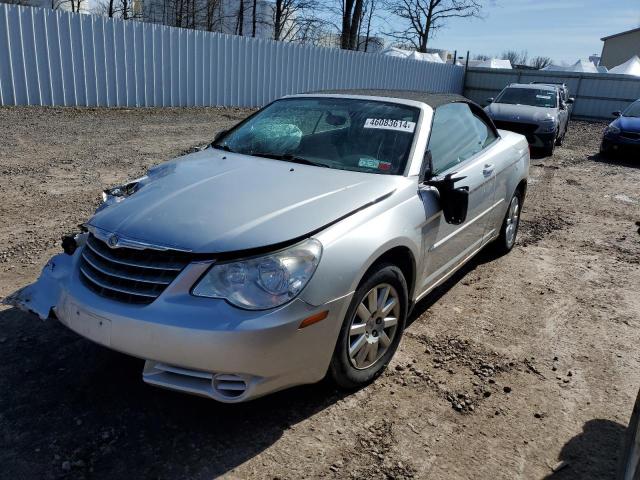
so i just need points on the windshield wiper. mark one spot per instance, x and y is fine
(288, 157)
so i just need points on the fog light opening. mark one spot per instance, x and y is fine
(229, 386)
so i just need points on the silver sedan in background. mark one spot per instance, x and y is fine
(538, 111)
(292, 248)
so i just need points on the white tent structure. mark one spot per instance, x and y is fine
(412, 55)
(585, 66)
(425, 57)
(582, 65)
(395, 52)
(495, 63)
(630, 67)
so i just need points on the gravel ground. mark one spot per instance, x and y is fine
(515, 365)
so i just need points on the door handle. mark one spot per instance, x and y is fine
(488, 169)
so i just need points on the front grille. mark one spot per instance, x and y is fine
(129, 275)
(526, 129)
(630, 135)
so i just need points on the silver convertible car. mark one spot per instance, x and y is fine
(294, 247)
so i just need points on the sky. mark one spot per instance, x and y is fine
(564, 30)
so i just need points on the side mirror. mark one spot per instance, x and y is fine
(570, 100)
(219, 135)
(453, 201)
(490, 100)
(617, 113)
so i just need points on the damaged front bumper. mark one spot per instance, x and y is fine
(195, 345)
(43, 295)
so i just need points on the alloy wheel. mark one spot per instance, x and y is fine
(373, 326)
(513, 217)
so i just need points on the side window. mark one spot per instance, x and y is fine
(485, 133)
(456, 135)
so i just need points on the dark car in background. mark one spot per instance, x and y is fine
(623, 134)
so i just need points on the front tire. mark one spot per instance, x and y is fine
(550, 147)
(629, 468)
(509, 229)
(372, 328)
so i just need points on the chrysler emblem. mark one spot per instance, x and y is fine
(113, 240)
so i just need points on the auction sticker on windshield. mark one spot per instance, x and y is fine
(390, 124)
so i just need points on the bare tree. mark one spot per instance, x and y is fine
(296, 20)
(516, 58)
(540, 62)
(364, 41)
(422, 18)
(240, 19)
(351, 18)
(481, 56)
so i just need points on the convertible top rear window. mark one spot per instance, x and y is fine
(343, 133)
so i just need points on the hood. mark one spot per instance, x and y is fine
(628, 124)
(214, 202)
(520, 113)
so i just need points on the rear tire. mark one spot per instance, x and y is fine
(509, 229)
(372, 328)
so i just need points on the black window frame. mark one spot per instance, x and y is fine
(478, 111)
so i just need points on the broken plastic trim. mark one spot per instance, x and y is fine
(118, 193)
(43, 295)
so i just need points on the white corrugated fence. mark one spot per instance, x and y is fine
(51, 57)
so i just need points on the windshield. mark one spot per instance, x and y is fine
(528, 96)
(632, 110)
(348, 134)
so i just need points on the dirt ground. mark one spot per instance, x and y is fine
(513, 366)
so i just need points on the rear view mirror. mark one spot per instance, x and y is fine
(453, 201)
(336, 120)
(617, 113)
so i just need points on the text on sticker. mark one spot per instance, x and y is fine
(390, 124)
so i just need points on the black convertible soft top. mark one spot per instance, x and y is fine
(434, 100)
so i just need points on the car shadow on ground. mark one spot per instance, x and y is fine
(66, 399)
(421, 307)
(71, 400)
(593, 453)
(538, 153)
(619, 159)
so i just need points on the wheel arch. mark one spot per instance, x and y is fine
(403, 258)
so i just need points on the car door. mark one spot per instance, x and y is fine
(461, 142)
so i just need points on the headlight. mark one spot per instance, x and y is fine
(262, 282)
(611, 130)
(119, 193)
(548, 125)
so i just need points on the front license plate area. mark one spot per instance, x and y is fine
(93, 327)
